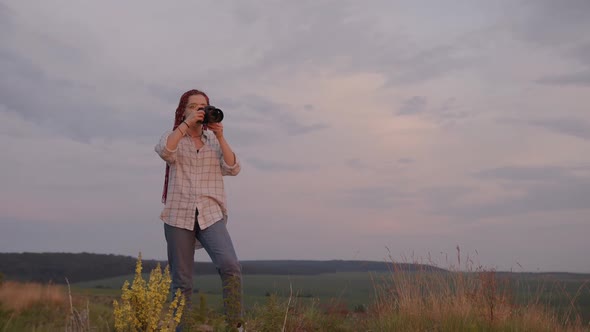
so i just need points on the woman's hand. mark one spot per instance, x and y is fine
(194, 116)
(217, 129)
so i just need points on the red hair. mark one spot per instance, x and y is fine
(178, 118)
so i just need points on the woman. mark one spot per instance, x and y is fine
(195, 212)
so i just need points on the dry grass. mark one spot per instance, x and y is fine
(456, 299)
(19, 296)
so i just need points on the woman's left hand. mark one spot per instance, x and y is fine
(217, 129)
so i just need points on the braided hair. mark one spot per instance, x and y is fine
(178, 118)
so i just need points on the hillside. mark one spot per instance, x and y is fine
(79, 267)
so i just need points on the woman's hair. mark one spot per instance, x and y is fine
(178, 118)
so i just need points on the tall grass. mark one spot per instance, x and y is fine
(458, 298)
(461, 299)
(30, 306)
(19, 296)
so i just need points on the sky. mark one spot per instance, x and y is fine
(374, 130)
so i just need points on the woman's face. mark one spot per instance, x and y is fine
(194, 103)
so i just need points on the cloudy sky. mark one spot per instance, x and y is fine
(366, 129)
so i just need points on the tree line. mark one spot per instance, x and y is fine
(78, 267)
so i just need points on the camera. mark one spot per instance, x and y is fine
(212, 114)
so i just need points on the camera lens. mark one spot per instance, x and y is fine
(216, 115)
(212, 114)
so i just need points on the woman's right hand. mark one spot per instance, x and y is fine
(194, 116)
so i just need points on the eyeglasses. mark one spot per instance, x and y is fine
(194, 106)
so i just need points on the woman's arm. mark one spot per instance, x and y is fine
(176, 135)
(230, 164)
(228, 154)
(168, 144)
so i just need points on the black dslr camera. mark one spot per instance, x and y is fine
(212, 114)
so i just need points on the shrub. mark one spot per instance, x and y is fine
(142, 306)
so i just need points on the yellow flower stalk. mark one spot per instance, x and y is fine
(142, 304)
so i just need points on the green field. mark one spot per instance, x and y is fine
(562, 292)
(351, 288)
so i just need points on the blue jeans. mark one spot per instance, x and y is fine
(218, 244)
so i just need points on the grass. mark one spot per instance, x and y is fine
(26, 306)
(357, 289)
(354, 288)
(460, 299)
(17, 297)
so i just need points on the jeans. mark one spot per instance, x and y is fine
(218, 244)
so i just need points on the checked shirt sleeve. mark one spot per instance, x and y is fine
(168, 155)
(225, 168)
(230, 170)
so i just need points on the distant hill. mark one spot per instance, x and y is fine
(79, 267)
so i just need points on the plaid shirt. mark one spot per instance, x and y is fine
(195, 182)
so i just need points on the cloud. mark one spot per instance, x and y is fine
(581, 78)
(413, 105)
(356, 164)
(512, 173)
(446, 191)
(447, 112)
(536, 189)
(549, 23)
(301, 48)
(429, 63)
(561, 196)
(382, 168)
(442, 199)
(254, 109)
(373, 197)
(274, 166)
(5, 14)
(69, 107)
(405, 160)
(569, 126)
(169, 94)
(343, 37)
(76, 110)
(554, 28)
(581, 53)
(92, 93)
